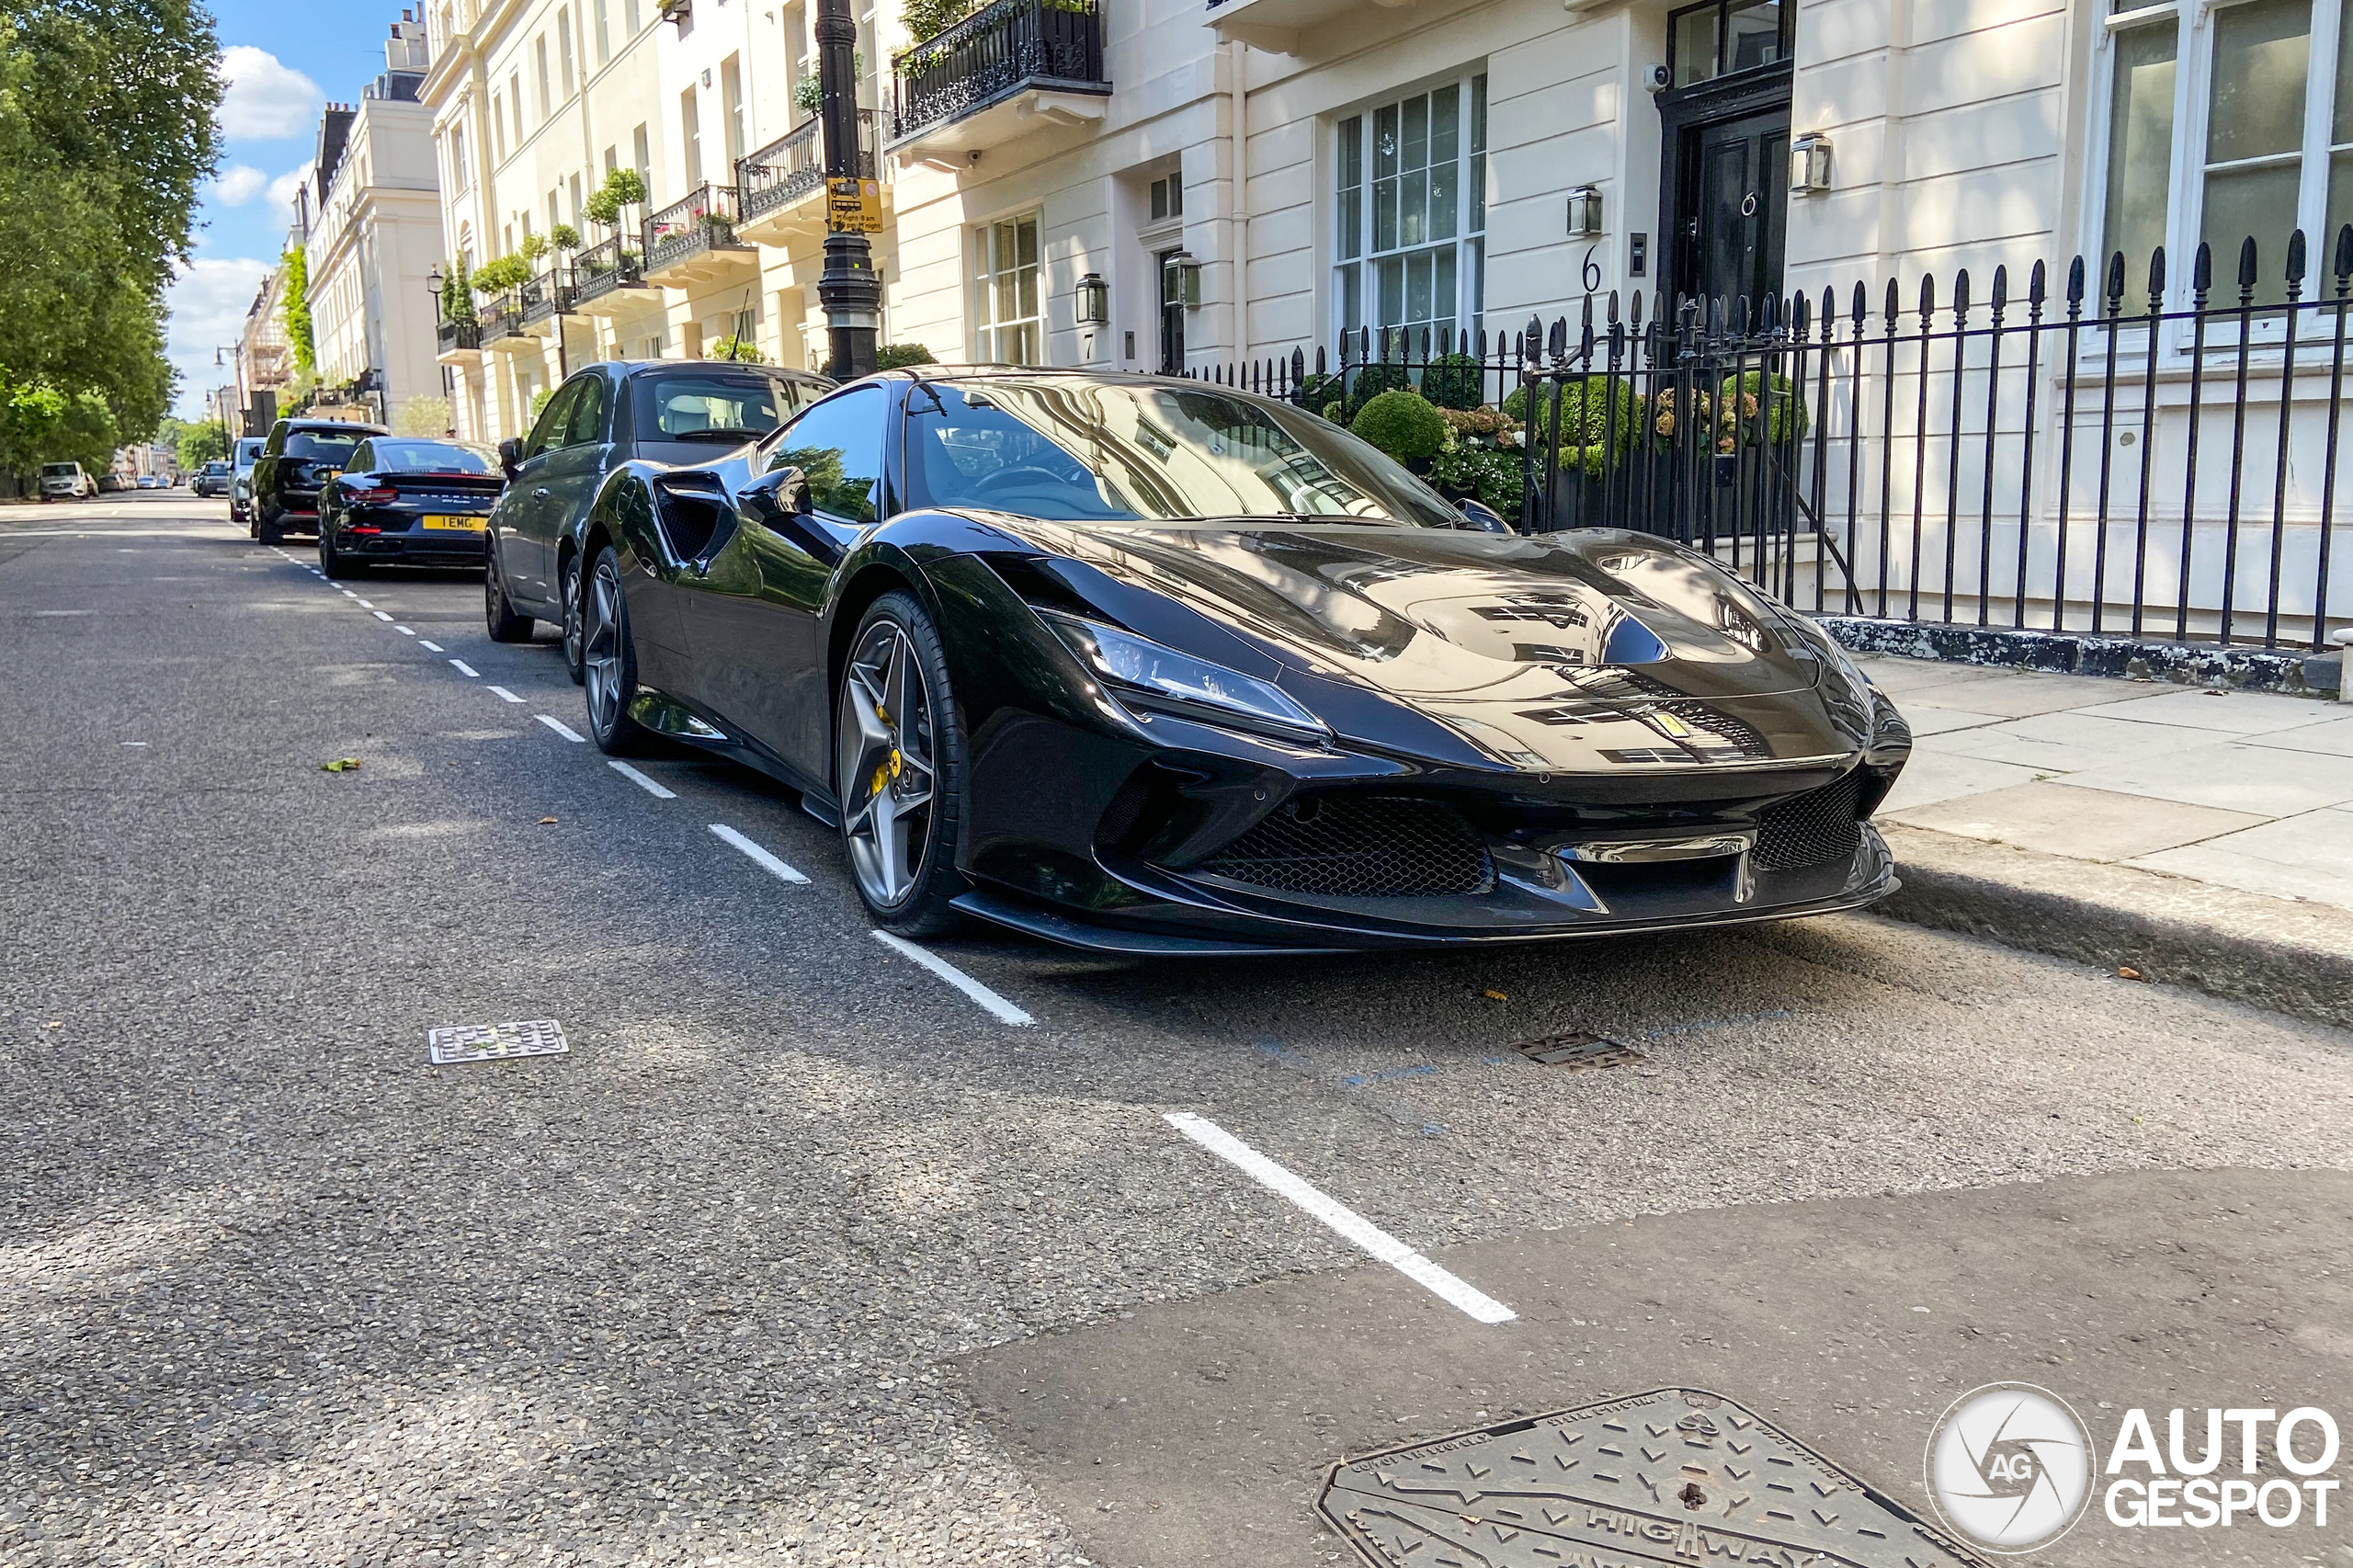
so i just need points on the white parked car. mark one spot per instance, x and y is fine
(66, 482)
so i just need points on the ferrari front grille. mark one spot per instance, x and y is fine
(1818, 828)
(1352, 847)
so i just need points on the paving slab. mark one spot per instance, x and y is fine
(2070, 742)
(2307, 857)
(1934, 775)
(2238, 713)
(2232, 775)
(2020, 696)
(1938, 720)
(2333, 737)
(2086, 824)
(1199, 1432)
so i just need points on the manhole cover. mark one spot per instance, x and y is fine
(493, 1042)
(1674, 1478)
(1578, 1050)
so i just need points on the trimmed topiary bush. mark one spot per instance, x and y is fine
(1369, 382)
(899, 356)
(1452, 380)
(1403, 424)
(1598, 417)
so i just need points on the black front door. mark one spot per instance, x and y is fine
(1172, 315)
(1729, 206)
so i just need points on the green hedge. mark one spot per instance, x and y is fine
(1403, 424)
(1598, 417)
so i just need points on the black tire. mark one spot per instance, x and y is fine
(610, 658)
(266, 528)
(575, 641)
(921, 906)
(498, 613)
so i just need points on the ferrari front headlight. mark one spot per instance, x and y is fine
(1149, 674)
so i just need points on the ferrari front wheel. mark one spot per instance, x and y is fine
(900, 757)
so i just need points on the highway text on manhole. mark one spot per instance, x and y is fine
(1676, 1476)
(456, 1044)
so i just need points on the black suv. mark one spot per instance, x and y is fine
(698, 412)
(302, 456)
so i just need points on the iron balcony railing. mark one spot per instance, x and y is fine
(503, 316)
(605, 266)
(547, 295)
(994, 54)
(793, 166)
(704, 222)
(2151, 462)
(453, 336)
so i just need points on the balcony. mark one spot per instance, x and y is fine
(694, 240)
(1014, 67)
(458, 342)
(605, 277)
(543, 298)
(778, 179)
(501, 321)
(1280, 26)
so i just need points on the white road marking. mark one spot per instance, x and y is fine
(380, 615)
(403, 632)
(349, 594)
(506, 694)
(560, 727)
(1003, 1011)
(363, 603)
(434, 647)
(1379, 1242)
(466, 669)
(759, 855)
(642, 783)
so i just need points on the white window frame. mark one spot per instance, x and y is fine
(2186, 186)
(1469, 240)
(988, 332)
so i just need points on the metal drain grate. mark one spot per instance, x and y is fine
(458, 1043)
(1676, 1476)
(1578, 1050)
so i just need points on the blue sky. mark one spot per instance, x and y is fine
(284, 62)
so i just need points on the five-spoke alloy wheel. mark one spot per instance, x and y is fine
(609, 661)
(901, 759)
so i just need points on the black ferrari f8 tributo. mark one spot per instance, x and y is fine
(1156, 666)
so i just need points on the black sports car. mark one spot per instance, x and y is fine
(1156, 666)
(408, 502)
(663, 412)
(299, 461)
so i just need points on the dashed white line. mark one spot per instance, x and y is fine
(363, 603)
(560, 727)
(466, 669)
(380, 615)
(403, 632)
(1379, 1242)
(997, 1006)
(506, 694)
(349, 594)
(758, 854)
(642, 783)
(434, 647)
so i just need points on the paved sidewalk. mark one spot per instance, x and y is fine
(2238, 789)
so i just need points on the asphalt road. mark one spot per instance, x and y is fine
(802, 1256)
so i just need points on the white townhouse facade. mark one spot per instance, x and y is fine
(377, 238)
(534, 102)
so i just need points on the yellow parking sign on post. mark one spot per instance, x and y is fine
(854, 206)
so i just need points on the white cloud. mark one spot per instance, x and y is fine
(208, 311)
(266, 100)
(282, 190)
(238, 183)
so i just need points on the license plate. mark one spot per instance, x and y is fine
(469, 524)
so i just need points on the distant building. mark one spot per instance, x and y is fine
(376, 240)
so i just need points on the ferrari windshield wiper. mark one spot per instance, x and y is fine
(732, 438)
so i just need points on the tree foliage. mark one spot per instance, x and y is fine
(298, 311)
(106, 134)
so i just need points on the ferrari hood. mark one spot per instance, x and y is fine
(1464, 617)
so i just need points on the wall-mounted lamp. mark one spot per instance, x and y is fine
(1094, 296)
(1810, 165)
(1584, 211)
(1180, 281)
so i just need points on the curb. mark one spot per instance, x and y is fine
(2276, 954)
(2294, 672)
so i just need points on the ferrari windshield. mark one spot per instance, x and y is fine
(1070, 450)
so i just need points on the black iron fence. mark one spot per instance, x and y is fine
(605, 266)
(994, 54)
(2115, 451)
(793, 166)
(703, 221)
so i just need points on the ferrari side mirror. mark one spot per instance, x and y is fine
(779, 493)
(1483, 518)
